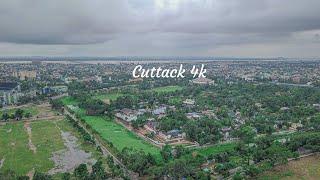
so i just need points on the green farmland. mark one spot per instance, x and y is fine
(216, 149)
(113, 132)
(109, 96)
(119, 135)
(15, 150)
(69, 101)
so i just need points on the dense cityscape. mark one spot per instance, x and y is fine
(159, 89)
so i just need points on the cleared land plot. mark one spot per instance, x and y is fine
(305, 168)
(47, 138)
(17, 153)
(216, 149)
(119, 135)
(167, 89)
(107, 97)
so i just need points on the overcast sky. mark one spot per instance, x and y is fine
(242, 28)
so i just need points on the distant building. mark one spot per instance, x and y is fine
(189, 102)
(316, 106)
(193, 115)
(10, 93)
(174, 134)
(151, 125)
(203, 81)
(159, 111)
(24, 75)
(127, 115)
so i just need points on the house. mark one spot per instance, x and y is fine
(226, 133)
(295, 126)
(202, 81)
(209, 113)
(151, 125)
(175, 133)
(193, 115)
(189, 102)
(284, 109)
(316, 106)
(127, 115)
(159, 111)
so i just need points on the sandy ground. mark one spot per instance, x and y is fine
(68, 159)
(32, 147)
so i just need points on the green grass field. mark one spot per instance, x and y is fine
(167, 89)
(175, 100)
(108, 96)
(32, 110)
(216, 149)
(119, 135)
(69, 101)
(114, 132)
(14, 146)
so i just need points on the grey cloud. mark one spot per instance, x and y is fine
(157, 27)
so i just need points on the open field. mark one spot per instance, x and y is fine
(110, 96)
(118, 135)
(107, 97)
(215, 149)
(17, 153)
(28, 146)
(31, 109)
(114, 132)
(69, 101)
(166, 89)
(305, 168)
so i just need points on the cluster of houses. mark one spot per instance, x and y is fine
(126, 116)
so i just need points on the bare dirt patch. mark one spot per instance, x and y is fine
(31, 173)
(2, 162)
(68, 159)
(32, 147)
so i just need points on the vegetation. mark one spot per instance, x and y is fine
(118, 135)
(14, 146)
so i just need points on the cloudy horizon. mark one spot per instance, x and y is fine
(245, 28)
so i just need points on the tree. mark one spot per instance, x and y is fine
(98, 171)
(66, 176)
(41, 176)
(246, 135)
(5, 116)
(138, 161)
(27, 115)
(18, 114)
(81, 172)
(166, 152)
(278, 153)
(179, 151)
(56, 104)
